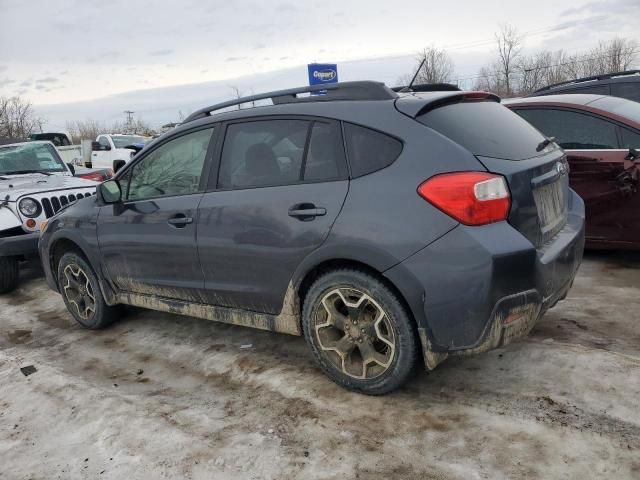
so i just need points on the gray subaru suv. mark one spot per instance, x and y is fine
(387, 228)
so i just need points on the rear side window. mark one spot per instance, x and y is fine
(281, 152)
(369, 150)
(573, 130)
(485, 128)
(325, 156)
(263, 153)
(630, 91)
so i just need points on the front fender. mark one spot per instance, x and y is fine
(8, 219)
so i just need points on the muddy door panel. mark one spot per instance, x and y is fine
(149, 246)
(250, 241)
(608, 183)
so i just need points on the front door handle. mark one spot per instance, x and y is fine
(306, 211)
(180, 221)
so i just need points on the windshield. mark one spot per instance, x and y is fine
(121, 141)
(619, 106)
(30, 158)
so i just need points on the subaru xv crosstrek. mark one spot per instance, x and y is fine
(384, 227)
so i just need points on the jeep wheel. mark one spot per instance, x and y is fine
(359, 331)
(8, 274)
(81, 292)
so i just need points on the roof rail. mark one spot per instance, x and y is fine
(362, 90)
(428, 87)
(588, 79)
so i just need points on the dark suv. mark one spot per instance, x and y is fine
(621, 84)
(383, 227)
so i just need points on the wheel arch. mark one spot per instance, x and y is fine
(64, 244)
(316, 270)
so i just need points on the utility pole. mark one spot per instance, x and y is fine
(129, 114)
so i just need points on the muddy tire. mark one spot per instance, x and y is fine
(360, 333)
(8, 274)
(81, 293)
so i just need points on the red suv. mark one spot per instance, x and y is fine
(601, 136)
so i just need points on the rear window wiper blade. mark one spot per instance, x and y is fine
(543, 144)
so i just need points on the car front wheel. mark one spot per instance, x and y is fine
(360, 332)
(81, 292)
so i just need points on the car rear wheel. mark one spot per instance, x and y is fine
(8, 274)
(81, 293)
(359, 331)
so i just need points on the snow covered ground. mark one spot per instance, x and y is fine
(161, 396)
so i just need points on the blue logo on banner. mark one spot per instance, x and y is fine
(321, 73)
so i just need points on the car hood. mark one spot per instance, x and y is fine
(18, 185)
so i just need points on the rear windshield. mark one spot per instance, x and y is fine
(485, 128)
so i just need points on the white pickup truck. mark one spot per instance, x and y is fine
(109, 148)
(35, 184)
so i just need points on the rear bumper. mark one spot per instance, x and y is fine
(477, 288)
(20, 245)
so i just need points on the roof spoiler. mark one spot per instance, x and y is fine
(415, 105)
(428, 87)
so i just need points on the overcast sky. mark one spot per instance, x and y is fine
(56, 52)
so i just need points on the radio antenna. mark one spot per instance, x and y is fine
(408, 87)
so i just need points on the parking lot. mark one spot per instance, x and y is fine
(163, 396)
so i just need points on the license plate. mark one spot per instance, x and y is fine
(552, 209)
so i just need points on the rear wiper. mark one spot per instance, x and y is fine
(19, 172)
(543, 144)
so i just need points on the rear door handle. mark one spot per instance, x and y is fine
(180, 221)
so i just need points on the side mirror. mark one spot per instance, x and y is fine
(71, 168)
(110, 192)
(633, 154)
(118, 164)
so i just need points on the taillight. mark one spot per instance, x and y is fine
(472, 198)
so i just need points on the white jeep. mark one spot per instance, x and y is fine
(34, 185)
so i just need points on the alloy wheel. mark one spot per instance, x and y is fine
(79, 291)
(355, 332)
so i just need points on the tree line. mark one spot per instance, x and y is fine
(514, 72)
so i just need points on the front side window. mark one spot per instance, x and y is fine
(263, 153)
(174, 168)
(573, 130)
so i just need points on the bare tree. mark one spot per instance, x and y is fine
(90, 129)
(435, 66)
(490, 79)
(509, 44)
(85, 130)
(17, 118)
(540, 69)
(237, 94)
(613, 56)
